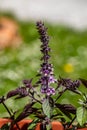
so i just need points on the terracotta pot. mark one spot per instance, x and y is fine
(83, 129)
(24, 123)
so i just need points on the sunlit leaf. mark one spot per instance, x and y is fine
(81, 115)
(46, 108)
(33, 124)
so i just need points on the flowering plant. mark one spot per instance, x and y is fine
(44, 95)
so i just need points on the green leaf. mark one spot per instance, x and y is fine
(33, 124)
(81, 115)
(48, 127)
(5, 127)
(46, 108)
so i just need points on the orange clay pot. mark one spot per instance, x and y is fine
(80, 128)
(24, 123)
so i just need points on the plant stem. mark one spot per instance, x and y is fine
(17, 126)
(9, 113)
(72, 121)
(14, 123)
(36, 93)
(35, 99)
(7, 109)
(42, 126)
(60, 95)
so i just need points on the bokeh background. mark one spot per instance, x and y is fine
(67, 27)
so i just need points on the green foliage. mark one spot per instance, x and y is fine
(82, 110)
(46, 108)
(81, 115)
(5, 127)
(32, 125)
(69, 46)
(48, 127)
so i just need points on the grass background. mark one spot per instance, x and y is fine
(69, 57)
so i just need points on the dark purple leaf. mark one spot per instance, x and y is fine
(84, 82)
(69, 84)
(28, 110)
(67, 109)
(27, 83)
(28, 106)
(12, 93)
(40, 116)
(20, 92)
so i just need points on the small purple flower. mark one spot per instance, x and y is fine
(49, 91)
(46, 69)
(43, 90)
(44, 80)
(52, 79)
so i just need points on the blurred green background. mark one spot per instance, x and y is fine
(69, 55)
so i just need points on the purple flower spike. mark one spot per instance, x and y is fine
(46, 71)
(45, 49)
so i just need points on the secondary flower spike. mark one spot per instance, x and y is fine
(46, 71)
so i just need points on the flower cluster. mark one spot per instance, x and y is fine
(69, 84)
(46, 71)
